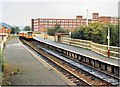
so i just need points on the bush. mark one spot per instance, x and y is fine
(51, 32)
(95, 32)
(57, 29)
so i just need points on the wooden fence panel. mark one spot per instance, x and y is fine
(98, 48)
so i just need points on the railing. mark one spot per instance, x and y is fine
(2, 44)
(98, 48)
(3, 33)
(46, 36)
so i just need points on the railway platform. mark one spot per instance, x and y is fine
(83, 52)
(90, 58)
(31, 71)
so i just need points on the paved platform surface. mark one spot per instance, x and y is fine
(32, 71)
(81, 51)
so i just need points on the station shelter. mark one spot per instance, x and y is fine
(58, 36)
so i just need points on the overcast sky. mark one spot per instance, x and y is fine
(20, 13)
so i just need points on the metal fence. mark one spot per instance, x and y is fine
(98, 48)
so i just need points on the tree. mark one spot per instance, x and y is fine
(57, 29)
(17, 30)
(79, 33)
(114, 35)
(12, 30)
(51, 31)
(95, 32)
(27, 28)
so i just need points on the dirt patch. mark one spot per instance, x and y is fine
(9, 70)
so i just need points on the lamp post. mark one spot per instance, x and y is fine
(70, 36)
(108, 37)
(87, 17)
(46, 34)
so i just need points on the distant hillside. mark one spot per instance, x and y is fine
(21, 27)
(5, 25)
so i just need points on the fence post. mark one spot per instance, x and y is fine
(98, 48)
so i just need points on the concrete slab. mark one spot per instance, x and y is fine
(32, 71)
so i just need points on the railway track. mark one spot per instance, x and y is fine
(70, 68)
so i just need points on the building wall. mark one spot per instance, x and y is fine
(104, 19)
(4, 30)
(108, 20)
(42, 24)
(95, 15)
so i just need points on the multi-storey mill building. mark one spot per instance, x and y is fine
(41, 24)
